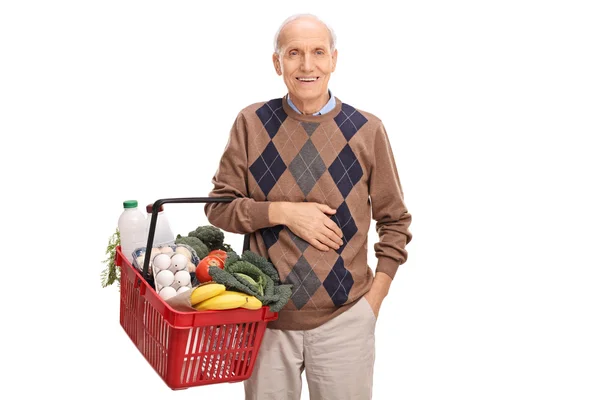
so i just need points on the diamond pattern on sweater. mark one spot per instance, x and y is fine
(310, 127)
(305, 282)
(271, 115)
(343, 218)
(310, 172)
(349, 121)
(346, 171)
(268, 168)
(338, 283)
(300, 243)
(307, 167)
(271, 235)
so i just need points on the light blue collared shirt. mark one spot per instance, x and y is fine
(328, 107)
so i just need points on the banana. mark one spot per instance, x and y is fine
(227, 291)
(205, 292)
(253, 303)
(223, 301)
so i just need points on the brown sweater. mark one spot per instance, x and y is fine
(343, 159)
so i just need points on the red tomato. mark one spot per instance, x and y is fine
(221, 254)
(202, 269)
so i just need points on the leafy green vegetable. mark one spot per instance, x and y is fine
(240, 274)
(282, 294)
(111, 273)
(223, 277)
(252, 284)
(262, 263)
(232, 257)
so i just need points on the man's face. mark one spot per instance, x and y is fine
(305, 60)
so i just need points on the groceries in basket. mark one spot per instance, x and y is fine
(218, 341)
(173, 268)
(169, 277)
(215, 296)
(215, 258)
(132, 228)
(162, 231)
(255, 275)
(249, 281)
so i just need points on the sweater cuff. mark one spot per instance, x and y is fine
(388, 266)
(258, 215)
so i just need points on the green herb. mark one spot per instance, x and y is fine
(111, 274)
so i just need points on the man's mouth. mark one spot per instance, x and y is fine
(308, 79)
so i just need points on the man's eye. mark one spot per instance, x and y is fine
(320, 52)
(293, 53)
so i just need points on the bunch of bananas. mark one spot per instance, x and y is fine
(215, 296)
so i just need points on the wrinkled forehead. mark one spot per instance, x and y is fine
(305, 33)
(305, 43)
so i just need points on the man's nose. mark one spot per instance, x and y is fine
(307, 63)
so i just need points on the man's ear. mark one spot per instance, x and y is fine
(334, 57)
(277, 64)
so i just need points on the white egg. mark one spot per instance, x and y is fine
(165, 278)
(161, 262)
(184, 251)
(191, 267)
(166, 250)
(183, 278)
(179, 262)
(167, 292)
(155, 251)
(183, 289)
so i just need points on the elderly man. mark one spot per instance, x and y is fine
(308, 173)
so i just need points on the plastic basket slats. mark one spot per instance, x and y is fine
(218, 353)
(156, 339)
(200, 359)
(130, 304)
(189, 349)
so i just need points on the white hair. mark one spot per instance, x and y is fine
(332, 37)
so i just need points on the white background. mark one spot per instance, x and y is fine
(491, 108)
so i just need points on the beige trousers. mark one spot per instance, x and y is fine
(338, 357)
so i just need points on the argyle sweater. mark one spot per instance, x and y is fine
(343, 159)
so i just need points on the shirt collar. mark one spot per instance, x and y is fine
(328, 107)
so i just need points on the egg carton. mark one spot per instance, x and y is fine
(173, 268)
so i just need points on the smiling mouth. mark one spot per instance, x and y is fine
(308, 79)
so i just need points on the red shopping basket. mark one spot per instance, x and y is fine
(188, 349)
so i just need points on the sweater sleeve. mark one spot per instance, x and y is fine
(242, 215)
(388, 207)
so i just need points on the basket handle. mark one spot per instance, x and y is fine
(154, 218)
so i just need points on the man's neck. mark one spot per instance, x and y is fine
(309, 107)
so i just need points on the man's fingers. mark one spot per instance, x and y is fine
(336, 239)
(325, 208)
(327, 242)
(318, 245)
(336, 229)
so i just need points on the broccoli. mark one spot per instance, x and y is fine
(211, 236)
(195, 243)
(226, 247)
